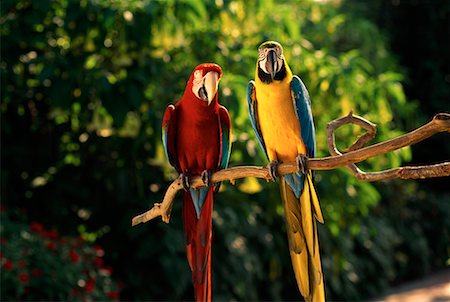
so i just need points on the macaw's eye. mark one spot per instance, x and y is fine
(278, 52)
(198, 74)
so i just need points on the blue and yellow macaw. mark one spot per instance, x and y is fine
(280, 113)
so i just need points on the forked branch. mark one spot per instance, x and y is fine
(354, 154)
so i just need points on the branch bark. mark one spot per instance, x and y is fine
(355, 153)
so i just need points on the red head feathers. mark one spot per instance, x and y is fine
(203, 83)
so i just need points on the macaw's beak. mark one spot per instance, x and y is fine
(271, 63)
(211, 85)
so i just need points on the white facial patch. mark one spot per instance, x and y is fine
(198, 82)
(205, 86)
(262, 57)
(198, 77)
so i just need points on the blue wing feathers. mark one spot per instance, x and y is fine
(296, 181)
(198, 199)
(252, 111)
(302, 105)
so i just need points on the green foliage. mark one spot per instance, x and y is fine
(84, 87)
(40, 264)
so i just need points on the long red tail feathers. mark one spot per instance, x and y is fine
(198, 235)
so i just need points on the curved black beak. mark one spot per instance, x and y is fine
(271, 63)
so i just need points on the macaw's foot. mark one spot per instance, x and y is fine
(301, 162)
(184, 177)
(206, 177)
(273, 165)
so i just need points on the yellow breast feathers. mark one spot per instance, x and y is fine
(278, 120)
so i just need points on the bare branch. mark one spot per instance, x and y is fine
(332, 126)
(415, 136)
(440, 123)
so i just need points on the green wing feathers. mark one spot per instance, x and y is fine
(301, 228)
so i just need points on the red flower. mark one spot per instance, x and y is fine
(98, 262)
(36, 227)
(24, 277)
(52, 234)
(113, 295)
(3, 240)
(36, 272)
(109, 269)
(74, 257)
(106, 271)
(99, 251)
(8, 265)
(51, 246)
(90, 285)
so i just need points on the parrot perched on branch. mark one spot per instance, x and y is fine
(196, 135)
(280, 113)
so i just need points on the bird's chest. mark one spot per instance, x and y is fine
(279, 123)
(198, 139)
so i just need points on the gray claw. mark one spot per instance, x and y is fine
(185, 181)
(206, 177)
(273, 165)
(301, 162)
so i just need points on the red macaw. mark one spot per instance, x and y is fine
(196, 136)
(280, 113)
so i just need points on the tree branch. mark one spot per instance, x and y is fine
(355, 154)
(409, 138)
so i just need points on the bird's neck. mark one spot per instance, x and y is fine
(275, 82)
(199, 109)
